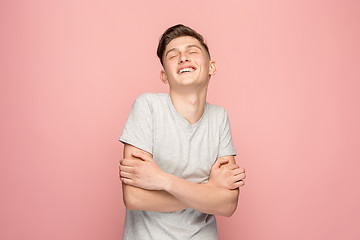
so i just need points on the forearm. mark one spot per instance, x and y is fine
(147, 187)
(180, 195)
(203, 197)
(150, 200)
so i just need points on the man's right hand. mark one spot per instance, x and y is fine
(226, 174)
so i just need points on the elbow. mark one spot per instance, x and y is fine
(229, 210)
(131, 202)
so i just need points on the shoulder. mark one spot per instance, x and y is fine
(218, 116)
(217, 111)
(150, 99)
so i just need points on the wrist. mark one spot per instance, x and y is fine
(166, 182)
(210, 183)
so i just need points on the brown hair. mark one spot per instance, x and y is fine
(175, 32)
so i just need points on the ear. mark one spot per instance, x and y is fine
(212, 68)
(163, 76)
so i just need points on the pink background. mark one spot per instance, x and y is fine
(289, 77)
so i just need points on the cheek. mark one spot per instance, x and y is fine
(201, 61)
(170, 71)
(168, 67)
(203, 65)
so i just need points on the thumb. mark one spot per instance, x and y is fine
(220, 161)
(141, 155)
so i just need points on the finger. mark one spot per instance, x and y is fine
(243, 175)
(222, 161)
(237, 171)
(232, 166)
(127, 181)
(125, 175)
(126, 169)
(239, 183)
(127, 162)
(219, 162)
(239, 177)
(233, 186)
(141, 155)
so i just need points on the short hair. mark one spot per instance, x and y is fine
(175, 32)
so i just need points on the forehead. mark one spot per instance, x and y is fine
(182, 42)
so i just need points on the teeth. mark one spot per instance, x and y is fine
(186, 70)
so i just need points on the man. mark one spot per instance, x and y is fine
(179, 169)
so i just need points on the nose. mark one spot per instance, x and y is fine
(184, 58)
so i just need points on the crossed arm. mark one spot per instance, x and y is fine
(147, 187)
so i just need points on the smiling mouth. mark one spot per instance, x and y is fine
(186, 70)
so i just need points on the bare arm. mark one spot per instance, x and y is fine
(207, 198)
(136, 198)
(173, 193)
(204, 198)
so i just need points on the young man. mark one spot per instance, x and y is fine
(179, 169)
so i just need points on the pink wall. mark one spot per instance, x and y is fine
(288, 75)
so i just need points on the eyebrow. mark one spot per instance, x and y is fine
(188, 46)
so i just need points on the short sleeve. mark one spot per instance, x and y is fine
(226, 146)
(138, 130)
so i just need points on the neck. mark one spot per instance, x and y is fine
(190, 105)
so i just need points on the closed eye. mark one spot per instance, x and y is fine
(193, 50)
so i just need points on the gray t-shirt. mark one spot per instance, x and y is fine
(182, 149)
